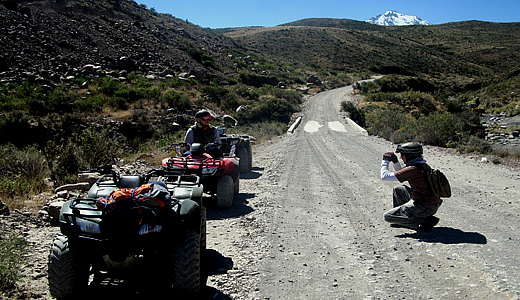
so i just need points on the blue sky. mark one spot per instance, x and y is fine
(235, 13)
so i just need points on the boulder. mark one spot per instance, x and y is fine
(82, 186)
(314, 80)
(89, 178)
(4, 209)
(54, 208)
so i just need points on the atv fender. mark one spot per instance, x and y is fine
(88, 210)
(188, 192)
(189, 209)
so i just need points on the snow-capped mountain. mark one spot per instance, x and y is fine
(393, 18)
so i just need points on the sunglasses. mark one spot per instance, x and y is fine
(206, 118)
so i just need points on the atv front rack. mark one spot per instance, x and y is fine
(193, 166)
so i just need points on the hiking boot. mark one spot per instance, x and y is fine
(428, 223)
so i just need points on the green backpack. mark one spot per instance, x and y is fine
(438, 182)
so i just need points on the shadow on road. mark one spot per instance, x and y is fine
(447, 235)
(254, 174)
(240, 207)
(144, 285)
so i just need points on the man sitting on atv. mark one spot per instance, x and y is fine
(204, 133)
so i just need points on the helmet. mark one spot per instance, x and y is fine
(202, 113)
(409, 148)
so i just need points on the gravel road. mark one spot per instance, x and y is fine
(308, 224)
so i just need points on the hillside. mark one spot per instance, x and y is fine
(468, 49)
(52, 39)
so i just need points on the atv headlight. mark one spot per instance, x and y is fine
(88, 226)
(209, 170)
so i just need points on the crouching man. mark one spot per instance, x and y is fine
(414, 205)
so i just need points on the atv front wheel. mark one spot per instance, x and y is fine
(236, 185)
(186, 265)
(250, 157)
(67, 271)
(225, 192)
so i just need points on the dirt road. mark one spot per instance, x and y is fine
(311, 225)
(308, 224)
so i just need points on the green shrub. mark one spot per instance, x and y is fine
(22, 172)
(13, 249)
(262, 131)
(409, 100)
(439, 129)
(90, 148)
(175, 100)
(90, 104)
(367, 87)
(293, 97)
(475, 144)
(355, 114)
(215, 93)
(273, 110)
(63, 159)
(384, 122)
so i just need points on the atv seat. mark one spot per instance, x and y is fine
(131, 181)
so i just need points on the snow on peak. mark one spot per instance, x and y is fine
(393, 18)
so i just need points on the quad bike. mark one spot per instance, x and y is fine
(242, 143)
(219, 175)
(160, 239)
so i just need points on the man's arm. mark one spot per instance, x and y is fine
(216, 138)
(386, 175)
(189, 138)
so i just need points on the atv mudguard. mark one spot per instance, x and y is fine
(188, 208)
(186, 192)
(231, 168)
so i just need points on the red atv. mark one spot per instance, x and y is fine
(219, 175)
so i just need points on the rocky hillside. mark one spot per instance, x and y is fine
(469, 49)
(49, 41)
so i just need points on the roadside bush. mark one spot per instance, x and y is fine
(292, 97)
(384, 122)
(409, 100)
(63, 159)
(273, 110)
(439, 129)
(91, 148)
(22, 172)
(355, 114)
(475, 144)
(13, 248)
(262, 131)
(366, 87)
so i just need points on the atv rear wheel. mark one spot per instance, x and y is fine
(67, 271)
(186, 265)
(244, 165)
(225, 191)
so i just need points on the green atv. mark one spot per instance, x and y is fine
(159, 238)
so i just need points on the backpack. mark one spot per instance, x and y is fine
(437, 181)
(152, 195)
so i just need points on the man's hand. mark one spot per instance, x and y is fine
(390, 156)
